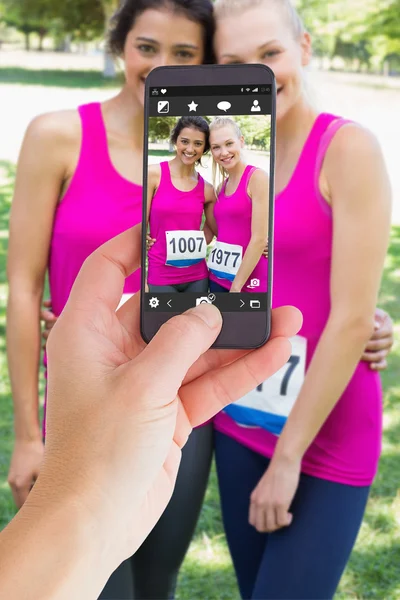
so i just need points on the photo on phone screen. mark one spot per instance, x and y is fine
(208, 198)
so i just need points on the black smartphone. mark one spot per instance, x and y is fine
(208, 198)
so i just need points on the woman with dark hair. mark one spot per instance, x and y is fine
(177, 199)
(79, 183)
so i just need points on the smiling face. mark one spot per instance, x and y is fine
(190, 145)
(226, 147)
(157, 38)
(264, 34)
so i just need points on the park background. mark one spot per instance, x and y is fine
(52, 57)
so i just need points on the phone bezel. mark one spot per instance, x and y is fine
(245, 330)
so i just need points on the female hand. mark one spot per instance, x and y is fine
(48, 318)
(271, 499)
(119, 411)
(381, 341)
(150, 241)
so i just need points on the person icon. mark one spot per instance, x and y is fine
(256, 106)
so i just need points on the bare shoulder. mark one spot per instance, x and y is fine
(259, 180)
(56, 127)
(259, 176)
(154, 174)
(352, 147)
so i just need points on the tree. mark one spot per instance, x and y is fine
(29, 16)
(109, 7)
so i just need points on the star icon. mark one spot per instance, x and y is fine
(192, 106)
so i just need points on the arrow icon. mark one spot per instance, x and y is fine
(169, 303)
(242, 303)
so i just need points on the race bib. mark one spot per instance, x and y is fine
(185, 248)
(269, 405)
(224, 260)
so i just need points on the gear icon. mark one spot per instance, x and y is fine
(154, 302)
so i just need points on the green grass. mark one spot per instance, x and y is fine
(58, 78)
(373, 571)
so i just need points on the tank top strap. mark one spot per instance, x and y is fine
(247, 176)
(305, 167)
(165, 173)
(326, 139)
(94, 137)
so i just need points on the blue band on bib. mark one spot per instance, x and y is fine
(222, 275)
(183, 263)
(244, 415)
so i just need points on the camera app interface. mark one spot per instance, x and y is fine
(208, 198)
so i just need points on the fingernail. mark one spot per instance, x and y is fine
(209, 314)
(376, 325)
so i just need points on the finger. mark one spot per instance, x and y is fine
(252, 513)
(286, 322)
(283, 517)
(47, 303)
(375, 344)
(379, 366)
(374, 357)
(220, 387)
(183, 427)
(20, 494)
(46, 315)
(176, 346)
(103, 274)
(270, 519)
(129, 317)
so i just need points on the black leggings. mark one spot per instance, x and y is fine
(152, 572)
(194, 287)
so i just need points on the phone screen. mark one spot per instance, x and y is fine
(208, 197)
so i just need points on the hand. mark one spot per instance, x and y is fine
(235, 289)
(271, 499)
(25, 464)
(119, 412)
(48, 318)
(380, 343)
(150, 241)
(265, 251)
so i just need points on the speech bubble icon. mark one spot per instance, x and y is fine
(224, 105)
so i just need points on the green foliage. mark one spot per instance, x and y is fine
(361, 32)
(82, 19)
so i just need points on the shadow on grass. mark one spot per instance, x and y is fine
(58, 78)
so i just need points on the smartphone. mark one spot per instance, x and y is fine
(208, 197)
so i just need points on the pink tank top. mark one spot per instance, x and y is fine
(98, 205)
(173, 210)
(233, 217)
(347, 448)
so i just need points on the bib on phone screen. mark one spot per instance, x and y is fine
(185, 248)
(225, 259)
(269, 405)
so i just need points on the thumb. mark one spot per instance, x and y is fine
(177, 346)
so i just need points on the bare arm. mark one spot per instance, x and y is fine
(153, 181)
(210, 226)
(259, 192)
(40, 174)
(361, 203)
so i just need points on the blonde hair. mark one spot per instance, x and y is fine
(219, 174)
(226, 8)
